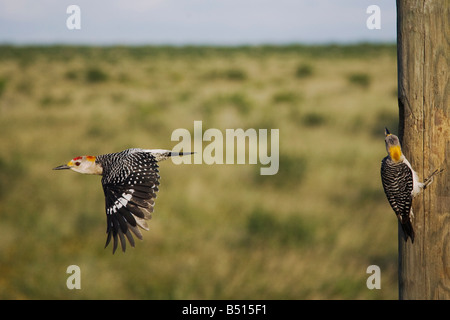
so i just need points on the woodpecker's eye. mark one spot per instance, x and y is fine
(77, 163)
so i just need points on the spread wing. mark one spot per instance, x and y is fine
(130, 190)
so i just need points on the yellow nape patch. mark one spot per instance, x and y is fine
(90, 158)
(395, 152)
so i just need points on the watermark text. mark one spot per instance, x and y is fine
(234, 143)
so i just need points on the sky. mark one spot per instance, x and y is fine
(195, 22)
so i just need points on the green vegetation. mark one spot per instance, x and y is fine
(303, 71)
(267, 229)
(96, 75)
(359, 79)
(233, 74)
(218, 231)
(2, 86)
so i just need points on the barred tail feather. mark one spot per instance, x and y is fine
(161, 154)
(408, 230)
(176, 154)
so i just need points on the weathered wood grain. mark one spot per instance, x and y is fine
(423, 89)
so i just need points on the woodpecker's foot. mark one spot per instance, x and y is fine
(429, 180)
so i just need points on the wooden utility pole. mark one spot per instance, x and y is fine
(423, 41)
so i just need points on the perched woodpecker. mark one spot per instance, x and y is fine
(130, 181)
(401, 183)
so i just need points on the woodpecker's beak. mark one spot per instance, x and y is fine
(62, 167)
(386, 132)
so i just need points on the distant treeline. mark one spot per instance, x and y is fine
(141, 52)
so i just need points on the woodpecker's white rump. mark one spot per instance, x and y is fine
(130, 180)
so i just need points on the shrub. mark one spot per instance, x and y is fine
(94, 75)
(285, 97)
(303, 71)
(359, 79)
(235, 74)
(313, 119)
(231, 74)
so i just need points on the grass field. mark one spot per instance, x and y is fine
(218, 231)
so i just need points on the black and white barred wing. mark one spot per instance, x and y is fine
(130, 191)
(398, 185)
